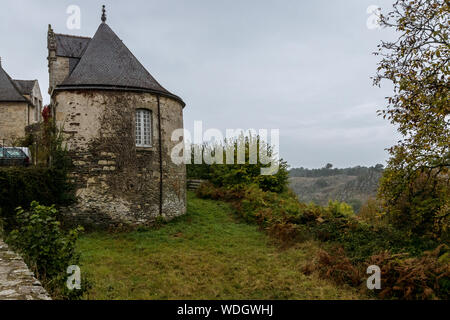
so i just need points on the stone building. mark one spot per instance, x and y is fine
(117, 121)
(20, 106)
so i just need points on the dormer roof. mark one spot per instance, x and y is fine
(25, 86)
(9, 92)
(70, 46)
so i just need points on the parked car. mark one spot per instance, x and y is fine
(10, 156)
(25, 150)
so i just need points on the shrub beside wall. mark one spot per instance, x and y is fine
(47, 249)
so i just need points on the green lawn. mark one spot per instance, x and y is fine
(206, 254)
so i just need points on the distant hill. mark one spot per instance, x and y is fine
(352, 185)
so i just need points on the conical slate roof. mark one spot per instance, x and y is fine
(107, 63)
(8, 91)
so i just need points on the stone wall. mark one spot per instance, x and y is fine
(36, 100)
(118, 183)
(174, 176)
(13, 119)
(58, 69)
(17, 282)
(32, 114)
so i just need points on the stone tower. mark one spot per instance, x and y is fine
(118, 121)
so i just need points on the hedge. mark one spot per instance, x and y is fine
(20, 186)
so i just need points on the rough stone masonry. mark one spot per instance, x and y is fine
(122, 170)
(17, 282)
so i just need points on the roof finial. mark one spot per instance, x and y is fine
(103, 14)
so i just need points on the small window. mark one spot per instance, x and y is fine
(36, 105)
(143, 128)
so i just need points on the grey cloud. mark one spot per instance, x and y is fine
(301, 66)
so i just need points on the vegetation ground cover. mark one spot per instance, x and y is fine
(207, 254)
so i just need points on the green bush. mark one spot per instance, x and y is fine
(200, 170)
(46, 249)
(417, 201)
(335, 223)
(240, 176)
(20, 186)
(352, 241)
(340, 209)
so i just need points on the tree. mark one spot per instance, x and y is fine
(238, 175)
(417, 63)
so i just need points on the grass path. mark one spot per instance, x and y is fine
(206, 254)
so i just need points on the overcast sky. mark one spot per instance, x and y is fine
(303, 67)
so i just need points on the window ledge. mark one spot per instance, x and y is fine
(145, 149)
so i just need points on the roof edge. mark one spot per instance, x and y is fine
(25, 79)
(119, 88)
(72, 36)
(14, 85)
(22, 101)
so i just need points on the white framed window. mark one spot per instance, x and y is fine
(143, 128)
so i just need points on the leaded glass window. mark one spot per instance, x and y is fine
(143, 128)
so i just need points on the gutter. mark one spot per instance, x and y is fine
(160, 159)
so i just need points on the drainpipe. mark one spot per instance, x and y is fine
(160, 159)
